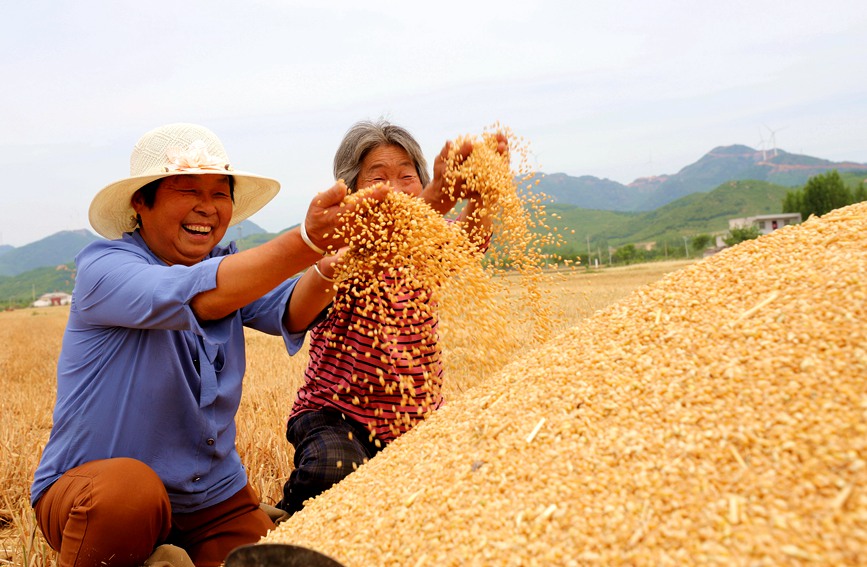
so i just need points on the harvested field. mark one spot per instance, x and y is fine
(718, 416)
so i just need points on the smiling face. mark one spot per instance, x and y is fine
(392, 164)
(189, 216)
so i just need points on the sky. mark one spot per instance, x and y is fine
(617, 89)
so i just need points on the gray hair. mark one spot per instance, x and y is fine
(366, 135)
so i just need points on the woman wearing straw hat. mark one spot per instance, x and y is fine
(142, 451)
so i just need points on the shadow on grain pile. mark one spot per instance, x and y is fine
(717, 415)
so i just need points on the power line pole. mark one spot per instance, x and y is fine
(685, 247)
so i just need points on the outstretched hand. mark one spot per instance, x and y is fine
(442, 193)
(325, 214)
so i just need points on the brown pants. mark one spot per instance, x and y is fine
(116, 511)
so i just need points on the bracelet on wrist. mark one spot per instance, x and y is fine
(309, 242)
(321, 275)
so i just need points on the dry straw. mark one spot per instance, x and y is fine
(718, 416)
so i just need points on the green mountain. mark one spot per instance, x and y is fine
(588, 192)
(259, 238)
(699, 213)
(59, 248)
(242, 230)
(722, 164)
(19, 287)
(22, 289)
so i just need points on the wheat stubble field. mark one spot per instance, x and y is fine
(30, 342)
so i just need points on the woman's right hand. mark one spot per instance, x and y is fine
(325, 214)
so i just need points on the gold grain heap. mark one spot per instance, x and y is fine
(718, 416)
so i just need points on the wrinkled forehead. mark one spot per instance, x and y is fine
(387, 155)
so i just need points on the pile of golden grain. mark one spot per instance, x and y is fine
(716, 417)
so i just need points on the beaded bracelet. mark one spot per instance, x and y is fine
(309, 242)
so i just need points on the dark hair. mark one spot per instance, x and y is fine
(148, 194)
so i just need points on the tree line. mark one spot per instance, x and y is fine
(821, 194)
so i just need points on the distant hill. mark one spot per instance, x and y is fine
(689, 216)
(4, 248)
(59, 248)
(722, 164)
(587, 192)
(242, 230)
(255, 240)
(23, 288)
(699, 213)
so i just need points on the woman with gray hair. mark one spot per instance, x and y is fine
(364, 137)
(350, 407)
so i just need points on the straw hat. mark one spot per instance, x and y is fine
(175, 149)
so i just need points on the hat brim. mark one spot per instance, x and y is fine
(111, 213)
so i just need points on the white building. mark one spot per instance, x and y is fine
(766, 223)
(49, 299)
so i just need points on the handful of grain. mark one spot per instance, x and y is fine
(518, 214)
(483, 319)
(400, 233)
(716, 417)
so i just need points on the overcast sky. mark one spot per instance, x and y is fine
(617, 89)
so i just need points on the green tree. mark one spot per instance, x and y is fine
(701, 242)
(821, 194)
(824, 193)
(626, 254)
(792, 202)
(738, 234)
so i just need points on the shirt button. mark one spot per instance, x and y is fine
(197, 478)
(211, 441)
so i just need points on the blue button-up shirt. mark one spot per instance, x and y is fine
(139, 376)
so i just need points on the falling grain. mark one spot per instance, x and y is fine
(482, 319)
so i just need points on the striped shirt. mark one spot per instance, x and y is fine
(376, 359)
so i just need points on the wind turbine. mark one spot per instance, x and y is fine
(762, 146)
(774, 137)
